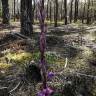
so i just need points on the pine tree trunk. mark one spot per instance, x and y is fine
(88, 12)
(47, 10)
(95, 14)
(33, 11)
(71, 9)
(0, 3)
(26, 17)
(0, 8)
(18, 8)
(5, 12)
(14, 10)
(65, 7)
(76, 11)
(56, 13)
(50, 11)
(83, 14)
(61, 10)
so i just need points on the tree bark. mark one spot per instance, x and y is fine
(50, 11)
(14, 10)
(61, 10)
(95, 14)
(5, 11)
(26, 17)
(56, 13)
(65, 7)
(18, 7)
(47, 9)
(88, 12)
(33, 11)
(71, 9)
(76, 11)
(0, 9)
(83, 14)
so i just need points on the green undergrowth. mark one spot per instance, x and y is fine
(19, 57)
(5, 66)
(23, 57)
(55, 61)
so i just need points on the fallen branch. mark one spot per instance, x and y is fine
(15, 87)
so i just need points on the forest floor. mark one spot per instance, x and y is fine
(70, 53)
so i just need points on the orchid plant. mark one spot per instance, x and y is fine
(46, 91)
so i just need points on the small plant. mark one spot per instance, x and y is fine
(45, 91)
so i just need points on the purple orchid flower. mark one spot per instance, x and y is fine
(45, 92)
(50, 75)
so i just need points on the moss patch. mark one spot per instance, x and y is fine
(5, 66)
(19, 57)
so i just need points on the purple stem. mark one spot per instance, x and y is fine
(41, 17)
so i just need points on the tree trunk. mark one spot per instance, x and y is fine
(18, 8)
(71, 9)
(50, 11)
(65, 7)
(76, 11)
(56, 13)
(33, 11)
(92, 11)
(26, 17)
(83, 14)
(0, 9)
(61, 10)
(0, 3)
(95, 14)
(14, 10)
(88, 12)
(47, 10)
(5, 11)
